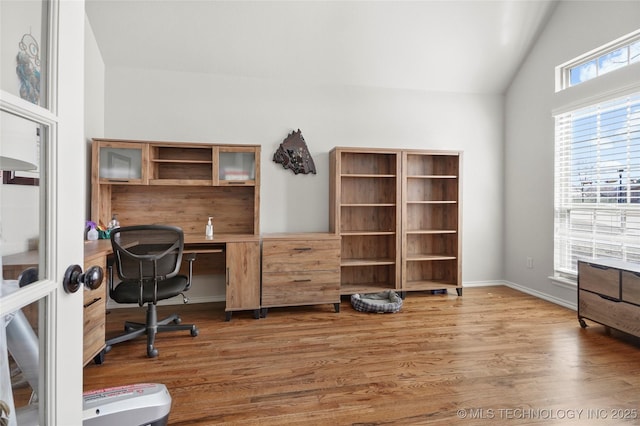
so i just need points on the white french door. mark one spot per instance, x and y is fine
(41, 208)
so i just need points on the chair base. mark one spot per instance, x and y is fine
(152, 327)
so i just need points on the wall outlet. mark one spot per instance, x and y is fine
(530, 262)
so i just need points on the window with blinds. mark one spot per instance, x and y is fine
(597, 184)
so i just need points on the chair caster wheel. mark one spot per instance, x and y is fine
(152, 352)
(194, 331)
(177, 320)
(99, 359)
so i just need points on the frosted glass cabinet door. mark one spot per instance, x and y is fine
(122, 163)
(237, 166)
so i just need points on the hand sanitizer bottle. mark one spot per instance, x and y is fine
(114, 223)
(209, 229)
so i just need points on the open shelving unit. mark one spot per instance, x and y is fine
(366, 215)
(431, 221)
(398, 215)
(177, 165)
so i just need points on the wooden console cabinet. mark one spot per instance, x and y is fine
(300, 269)
(609, 294)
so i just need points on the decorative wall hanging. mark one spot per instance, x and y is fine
(28, 69)
(293, 154)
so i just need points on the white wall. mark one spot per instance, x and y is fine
(180, 106)
(575, 28)
(94, 79)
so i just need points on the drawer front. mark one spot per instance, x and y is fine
(619, 315)
(95, 305)
(630, 287)
(599, 279)
(94, 325)
(291, 289)
(300, 255)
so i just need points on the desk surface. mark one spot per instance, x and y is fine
(103, 247)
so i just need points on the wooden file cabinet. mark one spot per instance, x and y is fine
(300, 269)
(609, 294)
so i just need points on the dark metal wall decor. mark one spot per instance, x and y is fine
(293, 154)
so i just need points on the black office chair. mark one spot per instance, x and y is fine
(147, 261)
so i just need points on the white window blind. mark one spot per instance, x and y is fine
(597, 184)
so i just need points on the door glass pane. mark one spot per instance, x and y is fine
(22, 213)
(20, 361)
(23, 53)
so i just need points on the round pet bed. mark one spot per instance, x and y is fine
(386, 301)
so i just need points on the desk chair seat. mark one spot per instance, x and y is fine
(147, 262)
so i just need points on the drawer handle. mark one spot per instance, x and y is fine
(302, 281)
(235, 182)
(595, 265)
(97, 299)
(302, 248)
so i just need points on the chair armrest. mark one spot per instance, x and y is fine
(189, 257)
(110, 278)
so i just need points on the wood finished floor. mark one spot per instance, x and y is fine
(492, 356)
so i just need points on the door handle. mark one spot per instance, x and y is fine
(73, 277)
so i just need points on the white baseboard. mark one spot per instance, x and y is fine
(526, 290)
(543, 296)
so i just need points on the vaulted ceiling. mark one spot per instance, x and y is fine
(452, 46)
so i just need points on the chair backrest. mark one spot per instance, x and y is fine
(147, 252)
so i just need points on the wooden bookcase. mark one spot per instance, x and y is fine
(431, 237)
(398, 213)
(365, 194)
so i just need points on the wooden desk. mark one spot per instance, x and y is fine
(182, 184)
(14, 264)
(237, 256)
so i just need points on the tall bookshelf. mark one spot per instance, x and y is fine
(365, 200)
(431, 238)
(398, 215)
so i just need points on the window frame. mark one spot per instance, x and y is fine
(623, 208)
(605, 88)
(563, 71)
